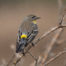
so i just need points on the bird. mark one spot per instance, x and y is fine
(27, 32)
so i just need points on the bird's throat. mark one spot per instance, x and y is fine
(34, 21)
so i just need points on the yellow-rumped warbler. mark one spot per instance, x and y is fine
(27, 32)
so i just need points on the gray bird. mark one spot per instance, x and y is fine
(26, 33)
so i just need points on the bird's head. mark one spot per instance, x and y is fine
(33, 17)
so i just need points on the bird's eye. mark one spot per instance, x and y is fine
(33, 17)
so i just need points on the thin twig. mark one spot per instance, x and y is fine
(45, 34)
(52, 59)
(51, 46)
(61, 15)
(10, 60)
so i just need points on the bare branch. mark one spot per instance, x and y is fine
(60, 6)
(62, 11)
(45, 34)
(49, 48)
(52, 59)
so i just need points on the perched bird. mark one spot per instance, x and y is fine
(26, 33)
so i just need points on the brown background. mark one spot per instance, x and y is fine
(12, 12)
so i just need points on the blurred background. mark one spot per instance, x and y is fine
(12, 13)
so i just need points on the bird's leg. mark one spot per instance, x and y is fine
(32, 44)
(23, 52)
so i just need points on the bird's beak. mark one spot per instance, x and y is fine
(37, 18)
